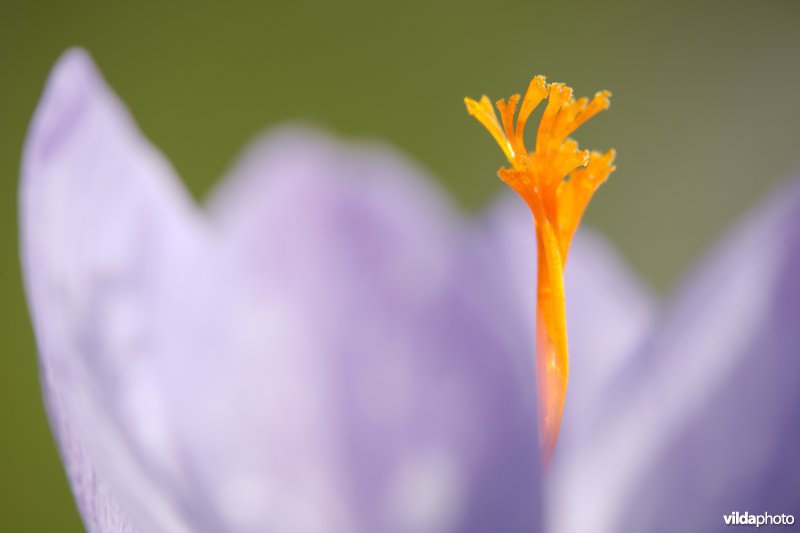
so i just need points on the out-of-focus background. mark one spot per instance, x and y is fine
(705, 119)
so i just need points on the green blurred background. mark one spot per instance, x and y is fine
(705, 118)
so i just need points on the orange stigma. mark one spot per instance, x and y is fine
(556, 180)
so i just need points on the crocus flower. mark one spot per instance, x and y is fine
(328, 346)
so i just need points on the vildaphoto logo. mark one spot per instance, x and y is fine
(746, 519)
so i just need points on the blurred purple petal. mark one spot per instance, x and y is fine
(706, 424)
(350, 378)
(105, 230)
(315, 356)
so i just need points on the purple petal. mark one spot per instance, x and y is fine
(707, 424)
(319, 355)
(105, 227)
(346, 372)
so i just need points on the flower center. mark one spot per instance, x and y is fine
(556, 180)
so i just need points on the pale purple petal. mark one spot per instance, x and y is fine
(344, 372)
(319, 355)
(105, 229)
(707, 423)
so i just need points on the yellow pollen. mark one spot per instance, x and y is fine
(556, 180)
